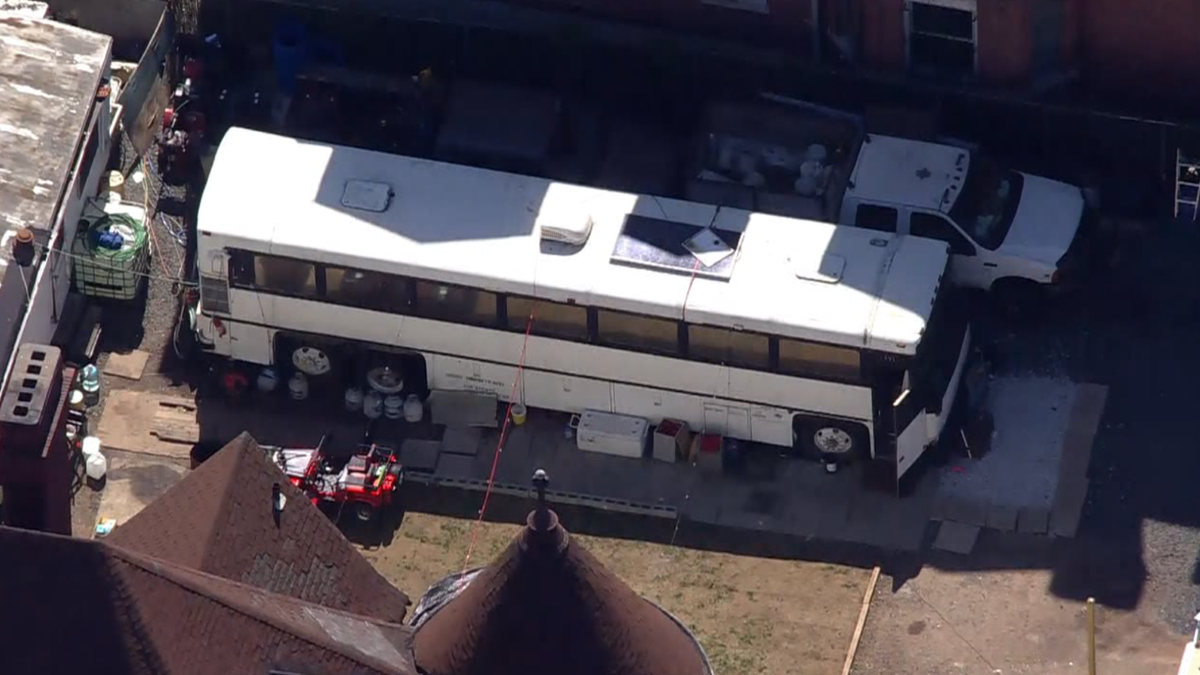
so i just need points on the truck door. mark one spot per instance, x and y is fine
(970, 266)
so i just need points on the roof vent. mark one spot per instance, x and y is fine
(826, 268)
(367, 195)
(570, 226)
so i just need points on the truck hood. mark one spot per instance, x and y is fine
(1046, 221)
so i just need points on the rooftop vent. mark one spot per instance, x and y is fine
(826, 268)
(566, 225)
(366, 195)
(677, 247)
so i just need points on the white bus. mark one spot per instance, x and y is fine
(831, 340)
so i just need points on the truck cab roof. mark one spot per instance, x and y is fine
(908, 172)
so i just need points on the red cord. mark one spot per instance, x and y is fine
(683, 311)
(512, 398)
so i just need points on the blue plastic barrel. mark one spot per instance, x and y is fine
(290, 47)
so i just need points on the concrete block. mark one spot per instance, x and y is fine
(1003, 518)
(1033, 520)
(419, 454)
(1068, 506)
(462, 440)
(956, 537)
(964, 510)
(129, 366)
(455, 466)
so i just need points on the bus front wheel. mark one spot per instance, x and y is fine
(831, 441)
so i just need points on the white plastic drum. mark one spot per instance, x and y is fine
(298, 387)
(372, 405)
(354, 399)
(96, 466)
(393, 407)
(414, 410)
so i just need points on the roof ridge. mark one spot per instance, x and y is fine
(178, 575)
(218, 519)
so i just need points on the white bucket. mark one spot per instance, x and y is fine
(90, 446)
(116, 183)
(372, 405)
(393, 407)
(97, 465)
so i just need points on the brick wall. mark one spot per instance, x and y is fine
(785, 24)
(1004, 41)
(1143, 45)
(883, 41)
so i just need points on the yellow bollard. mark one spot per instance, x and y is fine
(1091, 625)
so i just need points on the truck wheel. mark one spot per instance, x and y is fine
(364, 512)
(1018, 298)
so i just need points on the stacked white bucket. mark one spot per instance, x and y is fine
(94, 460)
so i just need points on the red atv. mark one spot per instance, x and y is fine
(366, 479)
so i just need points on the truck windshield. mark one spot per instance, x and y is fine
(988, 202)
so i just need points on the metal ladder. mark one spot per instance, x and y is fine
(1187, 187)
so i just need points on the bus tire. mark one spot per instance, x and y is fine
(832, 440)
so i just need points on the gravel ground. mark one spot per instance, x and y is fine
(148, 323)
(1135, 332)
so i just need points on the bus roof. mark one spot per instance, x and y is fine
(481, 228)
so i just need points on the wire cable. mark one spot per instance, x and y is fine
(512, 398)
(47, 251)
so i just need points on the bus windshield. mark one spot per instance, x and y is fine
(988, 202)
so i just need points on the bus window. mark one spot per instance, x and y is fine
(363, 288)
(241, 267)
(456, 303)
(730, 347)
(797, 357)
(640, 333)
(551, 319)
(285, 276)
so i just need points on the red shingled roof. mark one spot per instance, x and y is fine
(81, 606)
(547, 606)
(218, 519)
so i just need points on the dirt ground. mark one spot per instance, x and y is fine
(1007, 621)
(753, 615)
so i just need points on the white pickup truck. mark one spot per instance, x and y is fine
(1010, 232)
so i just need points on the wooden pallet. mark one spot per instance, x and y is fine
(175, 421)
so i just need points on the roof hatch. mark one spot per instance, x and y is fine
(366, 195)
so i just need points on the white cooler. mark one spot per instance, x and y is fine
(610, 434)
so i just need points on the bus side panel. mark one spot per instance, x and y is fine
(250, 343)
(770, 425)
(655, 404)
(556, 391)
(448, 372)
(812, 396)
